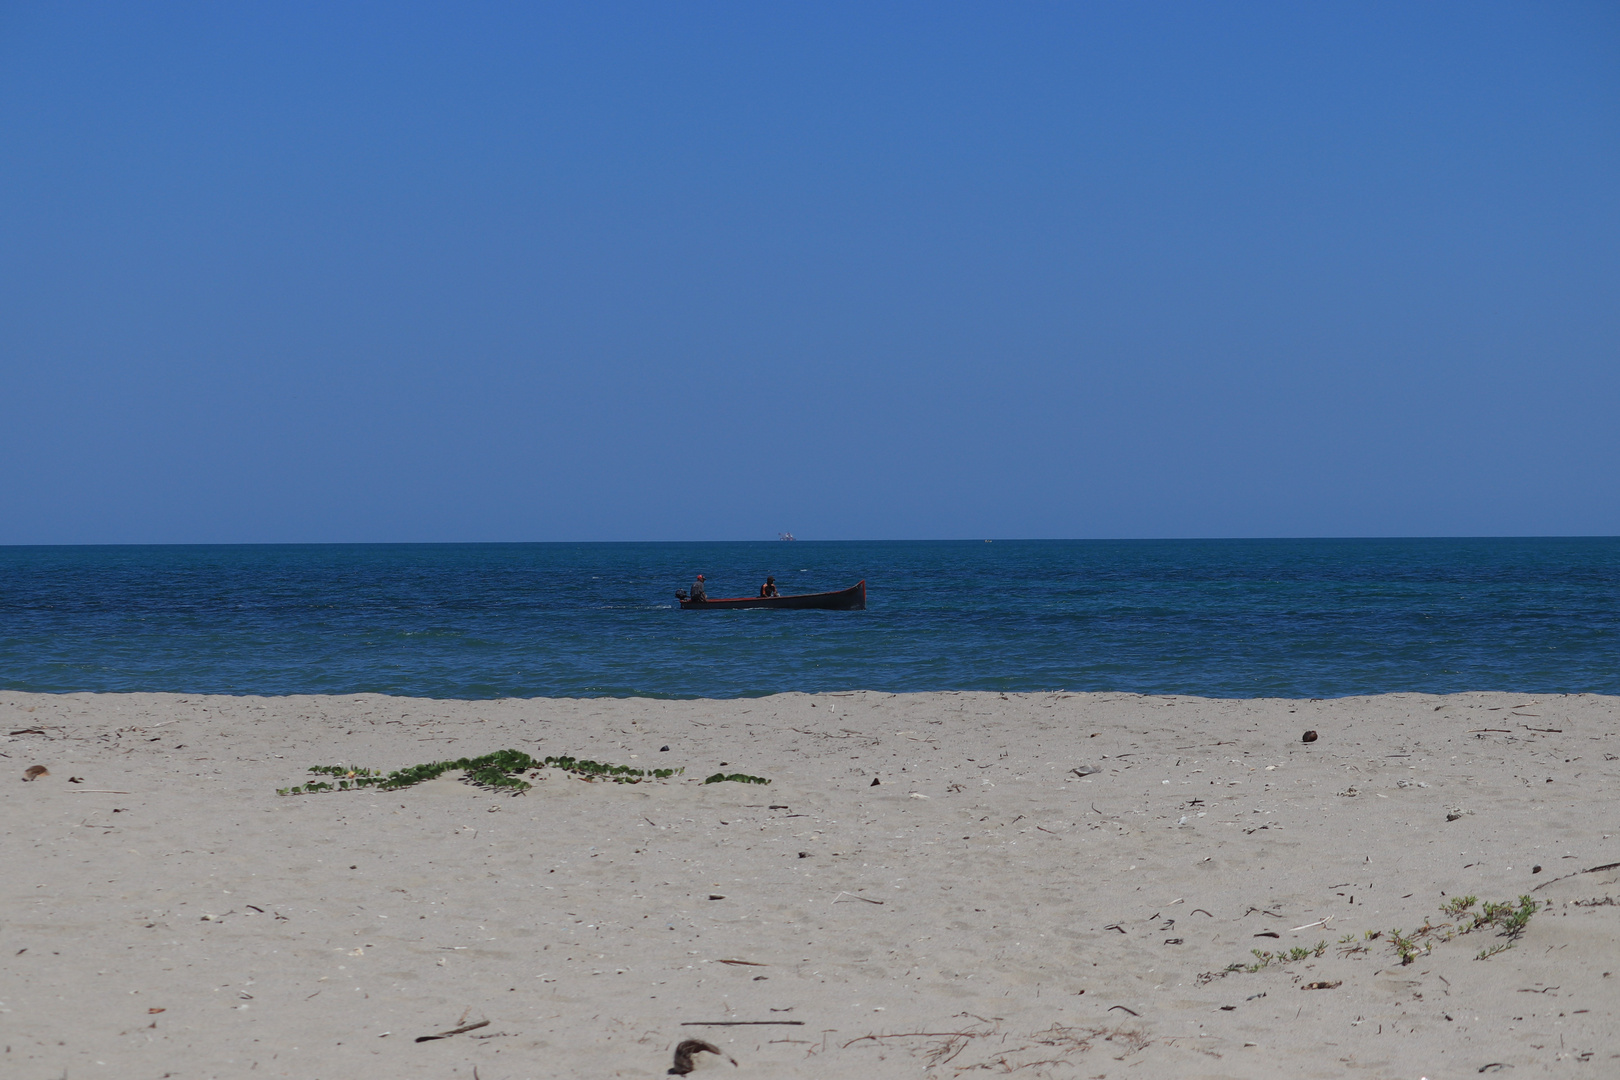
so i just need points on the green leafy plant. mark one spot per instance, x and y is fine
(619, 774)
(1264, 959)
(1507, 918)
(1458, 905)
(500, 771)
(741, 778)
(1406, 947)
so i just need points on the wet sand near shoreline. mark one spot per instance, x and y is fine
(940, 884)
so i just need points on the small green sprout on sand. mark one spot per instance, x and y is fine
(1458, 905)
(1407, 947)
(1507, 918)
(1263, 959)
(501, 771)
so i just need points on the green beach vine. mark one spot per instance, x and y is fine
(501, 771)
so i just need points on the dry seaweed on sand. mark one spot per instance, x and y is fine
(1002, 1051)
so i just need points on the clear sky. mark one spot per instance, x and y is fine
(594, 271)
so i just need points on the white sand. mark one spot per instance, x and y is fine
(195, 924)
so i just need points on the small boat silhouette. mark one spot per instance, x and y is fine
(850, 599)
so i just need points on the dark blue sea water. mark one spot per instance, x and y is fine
(1227, 618)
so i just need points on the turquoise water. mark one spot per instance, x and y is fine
(1225, 618)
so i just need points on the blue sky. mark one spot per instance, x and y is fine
(403, 272)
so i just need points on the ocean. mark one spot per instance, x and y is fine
(1219, 618)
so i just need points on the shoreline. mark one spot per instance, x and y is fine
(982, 889)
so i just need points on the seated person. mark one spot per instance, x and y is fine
(698, 591)
(769, 588)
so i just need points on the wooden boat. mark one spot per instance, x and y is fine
(850, 599)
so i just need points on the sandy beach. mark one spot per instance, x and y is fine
(1065, 885)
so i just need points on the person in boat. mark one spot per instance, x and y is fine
(698, 591)
(769, 588)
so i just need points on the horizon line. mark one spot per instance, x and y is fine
(824, 540)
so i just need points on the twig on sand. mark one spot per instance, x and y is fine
(453, 1031)
(1590, 870)
(865, 900)
(919, 1034)
(740, 1023)
(1307, 926)
(97, 791)
(1123, 1008)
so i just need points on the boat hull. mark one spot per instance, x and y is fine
(850, 599)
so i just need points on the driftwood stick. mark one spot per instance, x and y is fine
(739, 1023)
(922, 1034)
(1590, 870)
(453, 1031)
(839, 898)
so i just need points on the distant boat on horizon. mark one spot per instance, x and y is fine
(786, 536)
